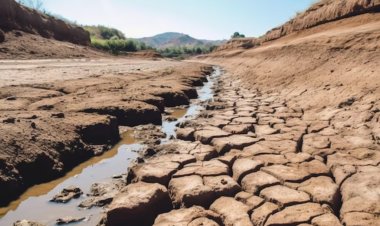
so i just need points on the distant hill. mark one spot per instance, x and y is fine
(174, 39)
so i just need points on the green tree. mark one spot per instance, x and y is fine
(237, 35)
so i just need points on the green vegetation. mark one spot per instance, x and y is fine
(185, 51)
(117, 46)
(113, 40)
(237, 35)
(104, 33)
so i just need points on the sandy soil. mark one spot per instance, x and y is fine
(18, 72)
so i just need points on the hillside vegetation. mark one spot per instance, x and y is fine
(113, 40)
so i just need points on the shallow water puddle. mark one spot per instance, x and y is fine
(205, 93)
(178, 113)
(34, 204)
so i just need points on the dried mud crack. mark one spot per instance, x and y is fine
(68, 114)
(253, 159)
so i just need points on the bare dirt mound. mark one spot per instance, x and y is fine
(23, 45)
(29, 34)
(322, 12)
(14, 16)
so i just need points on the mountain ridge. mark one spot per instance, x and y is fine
(176, 39)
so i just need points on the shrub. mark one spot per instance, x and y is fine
(237, 35)
(117, 46)
(185, 51)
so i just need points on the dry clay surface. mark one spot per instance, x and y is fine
(55, 114)
(254, 159)
(292, 138)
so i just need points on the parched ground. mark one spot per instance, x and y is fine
(55, 114)
(292, 138)
(254, 159)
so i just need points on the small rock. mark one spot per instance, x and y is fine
(11, 98)
(149, 152)
(68, 220)
(67, 194)
(58, 115)
(18, 34)
(185, 133)
(26, 223)
(155, 172)
(117, 176)
(9, 120)
(138, 204)
(171, 119)
(347, 103)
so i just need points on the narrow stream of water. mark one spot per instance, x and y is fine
(34, 204)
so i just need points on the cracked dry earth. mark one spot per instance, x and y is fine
(251, 159)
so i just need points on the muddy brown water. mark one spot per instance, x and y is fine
(34, 204)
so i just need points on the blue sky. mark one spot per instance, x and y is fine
(208, 19)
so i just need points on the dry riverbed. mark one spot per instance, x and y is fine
(248, 158)
(254, 158)
(55, 114)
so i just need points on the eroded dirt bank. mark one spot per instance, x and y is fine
(55, 114)
(14, 16)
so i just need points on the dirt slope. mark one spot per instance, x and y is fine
(28, 34)
(23, 45)
(14, 16)
(319, 13)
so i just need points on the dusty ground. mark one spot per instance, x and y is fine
(55, 114)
